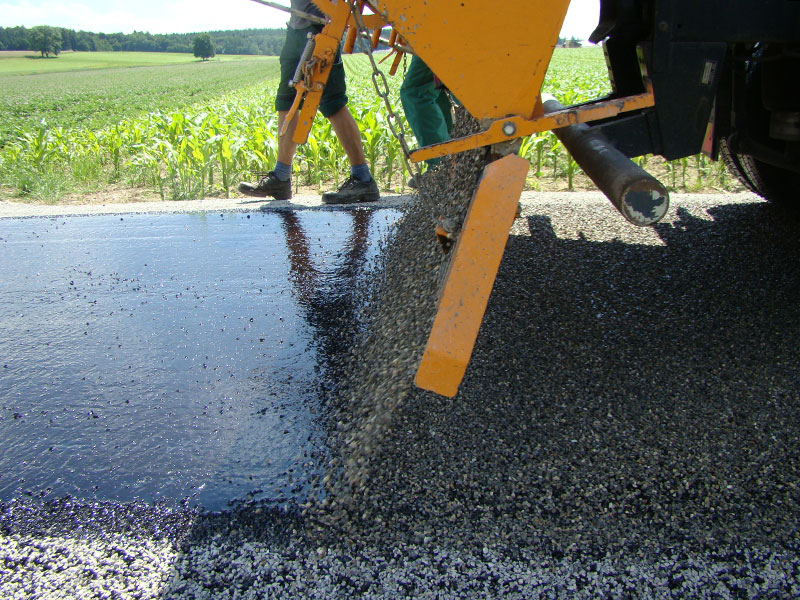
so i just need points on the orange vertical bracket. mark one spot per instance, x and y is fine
(327, 42)
(470, 277)
(325, 54)
(396, 64)
(376, 37)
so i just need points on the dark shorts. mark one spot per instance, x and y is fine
(334, 97)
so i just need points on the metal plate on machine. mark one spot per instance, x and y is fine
(471, 276)
(492, 55)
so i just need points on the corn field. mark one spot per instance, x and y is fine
(206, 149)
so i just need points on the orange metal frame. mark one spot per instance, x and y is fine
(470, 278)
(327, 41)
(417, 17)
(514, 127)
(493, 57)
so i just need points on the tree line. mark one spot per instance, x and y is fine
(248, 41)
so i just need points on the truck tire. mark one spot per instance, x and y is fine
(774, 184)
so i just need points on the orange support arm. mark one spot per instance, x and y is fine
(470, 278)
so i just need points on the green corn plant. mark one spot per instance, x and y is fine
(555, 153)
(111, 142)
(532, 149)
(261, 145)
(314, 161)
(539, 148)
(85, 164)
(334, 160)
(193, 154)
(39, 147)
(373, 135)
(672, 174)
(228, 155)
(721, 174)
(525, 147)
(404, 172)
(703, 170)
(684, 163)
(146, 167)
(391, 159)
(572, 168)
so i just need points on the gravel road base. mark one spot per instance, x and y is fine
(627, 429)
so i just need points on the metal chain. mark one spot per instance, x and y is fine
(382, 89)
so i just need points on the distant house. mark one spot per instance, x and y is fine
(573, 42)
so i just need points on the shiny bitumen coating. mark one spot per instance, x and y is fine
(627, 429)
(165, 357)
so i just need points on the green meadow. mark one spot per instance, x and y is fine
(31, 63)
(92, 90)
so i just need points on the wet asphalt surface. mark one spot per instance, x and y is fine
(627, 428)
(172, 358)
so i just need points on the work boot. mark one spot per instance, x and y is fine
(353, 190)
(268, 186)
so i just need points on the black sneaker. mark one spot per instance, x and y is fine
(353, 190)
(268, 186)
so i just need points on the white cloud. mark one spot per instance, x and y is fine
(582, 18)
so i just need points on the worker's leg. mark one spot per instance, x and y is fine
(349, 136)
(277, 183)
(360, 187)
(286, 145)
(419, 97)
(291, 52)
(333, 105)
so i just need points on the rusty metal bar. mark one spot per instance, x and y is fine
(638, 196)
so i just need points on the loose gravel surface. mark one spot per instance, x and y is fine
(628, 428)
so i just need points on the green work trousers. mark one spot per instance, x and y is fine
(427, 107)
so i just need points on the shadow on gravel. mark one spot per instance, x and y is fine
(621, 398)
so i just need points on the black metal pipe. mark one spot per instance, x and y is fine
(637, 195)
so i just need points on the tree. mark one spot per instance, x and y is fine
(44, 39)
(203, 46)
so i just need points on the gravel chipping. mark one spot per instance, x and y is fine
(627, 428)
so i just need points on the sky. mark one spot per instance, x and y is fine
(190, 16)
